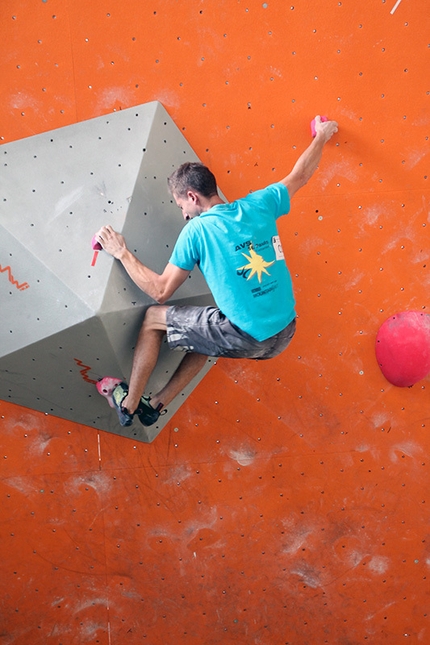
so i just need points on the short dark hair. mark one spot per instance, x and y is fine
(192, 176)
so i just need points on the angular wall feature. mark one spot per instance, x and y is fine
(69, 315)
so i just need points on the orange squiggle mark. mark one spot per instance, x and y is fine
(12, 280)
(85, 371)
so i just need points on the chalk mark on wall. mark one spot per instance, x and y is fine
(84, 371)
(20, 287)
(395, 7)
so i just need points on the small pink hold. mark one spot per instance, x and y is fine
(96, 245)
(323, 120)
(106, 386)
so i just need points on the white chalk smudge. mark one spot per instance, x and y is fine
(39, 443)
(308, 575)
(355, 557)
(100, 482)
(341, 169)
(66, 202)
(243, 457)
(20, 484)
(311, 244)
(354, 279)
(178, 474)
(89, 603)
(408, 448)
(414, 156)
(372, 214)
(379, 418)
(362, 448)
(379, 564)
(296, 540)
(23, 101)
(107, 98)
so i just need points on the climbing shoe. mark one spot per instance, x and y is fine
(146, 413)
(118, 396)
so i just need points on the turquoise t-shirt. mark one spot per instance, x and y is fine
(238, 250)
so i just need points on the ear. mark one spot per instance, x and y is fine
(193, 196)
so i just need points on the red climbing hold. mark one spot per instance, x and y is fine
(403, 348)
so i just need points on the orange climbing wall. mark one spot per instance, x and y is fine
(287, 502)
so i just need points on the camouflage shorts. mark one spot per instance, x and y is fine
(205, 330)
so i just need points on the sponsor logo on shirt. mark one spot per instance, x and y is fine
(256, 265)
(256, 245)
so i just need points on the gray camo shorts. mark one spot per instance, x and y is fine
(205, 330)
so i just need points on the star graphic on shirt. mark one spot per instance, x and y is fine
(256, 264)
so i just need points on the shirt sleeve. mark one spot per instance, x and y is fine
(185, 254)
(282, 197)
(272, 201)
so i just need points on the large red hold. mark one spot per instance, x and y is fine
(403, 348)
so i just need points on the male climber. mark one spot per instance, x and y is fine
(237, 248)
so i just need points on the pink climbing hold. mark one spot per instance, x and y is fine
(313, 131)
(106, 386)
(403, 348)
(96, 245)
